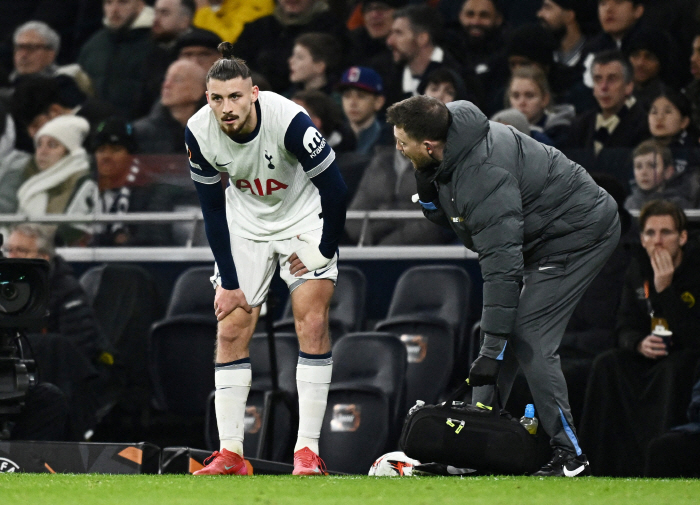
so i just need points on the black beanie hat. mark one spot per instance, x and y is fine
(534, 42)
(114, 131)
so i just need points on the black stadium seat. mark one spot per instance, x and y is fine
(362, 415)
(193, 293)
(428, 312)
(347, 312)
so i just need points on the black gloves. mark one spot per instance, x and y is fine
(427, 192)
(484, 371)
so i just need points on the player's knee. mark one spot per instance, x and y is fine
(227, 333)
(312, 326)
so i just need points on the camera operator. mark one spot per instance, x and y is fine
(71, 351)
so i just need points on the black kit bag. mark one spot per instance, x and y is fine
(464, 436)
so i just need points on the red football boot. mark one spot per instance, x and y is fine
(307, 462)
(223, 463)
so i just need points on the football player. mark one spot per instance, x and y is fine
(285, 202)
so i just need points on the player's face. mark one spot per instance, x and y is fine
(232, 102)
(48, 152)
(660, 232)
(414, 150)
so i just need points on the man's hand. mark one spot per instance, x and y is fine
(308, 258)
(652, 347)
(662, 263)
(426, 189)
(484, 371)
(227, 300)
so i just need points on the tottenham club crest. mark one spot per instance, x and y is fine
(268, 157)
(313, 142)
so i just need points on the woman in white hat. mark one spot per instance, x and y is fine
(62, 184)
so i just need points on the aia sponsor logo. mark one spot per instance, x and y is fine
(8, 466)
(256, 186)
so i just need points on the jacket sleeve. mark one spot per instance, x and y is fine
(682, 320)
(633, 323)
(491, 206)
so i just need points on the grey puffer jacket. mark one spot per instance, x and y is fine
(514, 201)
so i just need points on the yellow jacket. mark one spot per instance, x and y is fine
(228, 20)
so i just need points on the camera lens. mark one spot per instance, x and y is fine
(9, 291)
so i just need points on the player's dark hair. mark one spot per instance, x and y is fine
(228, 66)
(421, 117)
(663, 208)
(605, 57)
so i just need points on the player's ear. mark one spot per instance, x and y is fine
(206, 93)
(256, 91)
(683, 237)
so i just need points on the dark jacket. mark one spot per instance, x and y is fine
(114, 60)
(266, 44)
(630, 132)
(159, 132)
(678, 303)
(515, 202)
(71, 314)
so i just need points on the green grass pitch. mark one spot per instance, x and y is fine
(43, 489)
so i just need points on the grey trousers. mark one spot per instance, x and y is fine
(551, 290)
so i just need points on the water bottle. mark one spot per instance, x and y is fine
(529, 421)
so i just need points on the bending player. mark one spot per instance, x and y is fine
(285, 202)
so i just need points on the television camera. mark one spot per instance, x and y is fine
(24, 297)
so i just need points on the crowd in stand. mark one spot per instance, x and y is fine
(93, 98)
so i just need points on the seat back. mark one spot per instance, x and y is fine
(441, 291)
(193, 293)
(90, 281)
(182, 363)
(361, 421)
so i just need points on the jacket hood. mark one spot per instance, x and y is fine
(469, 126)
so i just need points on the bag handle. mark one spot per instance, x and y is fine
(464, 387)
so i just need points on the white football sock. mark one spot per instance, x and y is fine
(313, 381)
(232, 386)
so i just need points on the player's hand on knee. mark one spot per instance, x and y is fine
(308, 258)
(228, 300)
(483, 371)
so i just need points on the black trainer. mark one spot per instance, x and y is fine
(565, 464)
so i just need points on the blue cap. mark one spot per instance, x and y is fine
(529, 410)
(362, 78)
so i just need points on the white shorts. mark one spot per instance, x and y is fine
(256, 260)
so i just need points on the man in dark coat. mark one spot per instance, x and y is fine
(534, 217)
(115, 56)
(640, 391)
